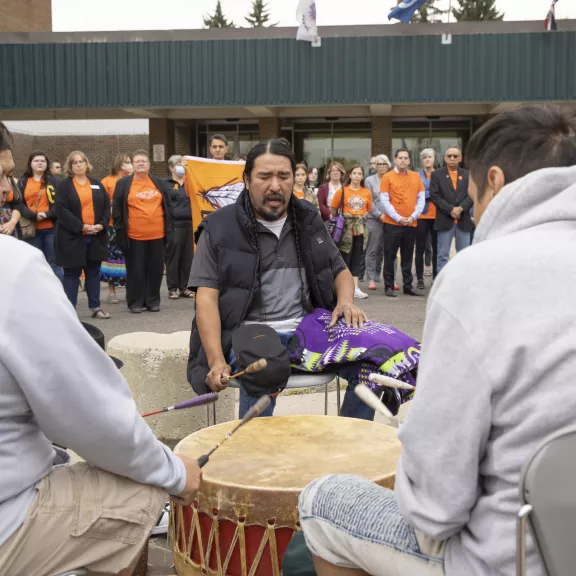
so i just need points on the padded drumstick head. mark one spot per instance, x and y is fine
(383, 380)
(370, 399)
(257, 366)
(257, 409)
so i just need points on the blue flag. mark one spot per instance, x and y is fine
(405, 10)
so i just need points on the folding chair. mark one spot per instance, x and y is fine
(548, 497)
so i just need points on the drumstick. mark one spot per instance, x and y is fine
(369, 398)
(390, 382)
(256, 410)
(198, 401)
(257, 366)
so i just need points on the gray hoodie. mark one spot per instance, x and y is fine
(496, 376)
(56, 383)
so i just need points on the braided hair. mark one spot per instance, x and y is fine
(278, 147)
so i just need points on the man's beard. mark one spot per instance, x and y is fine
(271, 214)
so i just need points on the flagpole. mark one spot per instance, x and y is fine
(449, 10)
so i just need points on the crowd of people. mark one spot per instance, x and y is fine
(497, 355)
(395, 210)
(125, 230)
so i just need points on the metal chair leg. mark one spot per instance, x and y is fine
(326, 399)
(521, 539)
(214, 413)
(338, 394)
(207, 415)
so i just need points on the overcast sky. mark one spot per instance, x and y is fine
(84, 15)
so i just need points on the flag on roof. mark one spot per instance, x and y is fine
(306, 16)
(405, 10)
(550, 21)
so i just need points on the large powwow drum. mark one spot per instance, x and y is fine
(246, 511)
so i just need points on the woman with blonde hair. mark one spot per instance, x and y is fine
(335, 179)
(113, 269)
(83, 210)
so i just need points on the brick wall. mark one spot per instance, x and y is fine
(162, 131)
(269, 128)
(26, 16)
(382, 135)
(100, 150)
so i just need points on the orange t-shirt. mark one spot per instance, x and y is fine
(298, 194)
(84, 192)
(403, 190)
(145, 211)
(35, 193)
(356, 202)
(431, 214)
(454, 178)
(109, 184)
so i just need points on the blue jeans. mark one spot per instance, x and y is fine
(92, 281)
(463, 240)
(351, 522)
(44, 241)
(352, 407)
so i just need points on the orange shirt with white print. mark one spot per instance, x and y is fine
(431, 214)
(109, 184)
(403, 190)
(36, 199)
(356, 202)
(145, 211)
(84, 192)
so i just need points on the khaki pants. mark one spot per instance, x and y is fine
(82, 517)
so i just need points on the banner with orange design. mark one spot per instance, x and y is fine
(211, 184)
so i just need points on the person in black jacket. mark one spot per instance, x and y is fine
(83, 210)
(268, 259)
(142, 217)
(449, 193)
(180, 251)
(38, 188)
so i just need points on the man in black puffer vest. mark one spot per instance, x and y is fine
(268, 258)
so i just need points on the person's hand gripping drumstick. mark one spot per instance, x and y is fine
(193, 481)
(219, 375)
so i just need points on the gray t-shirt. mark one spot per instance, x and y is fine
(281, 306)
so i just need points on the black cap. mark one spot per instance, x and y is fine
(253, 342)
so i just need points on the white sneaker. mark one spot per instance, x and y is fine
(162, 524)
(359, 294)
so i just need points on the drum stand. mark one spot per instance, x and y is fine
(208, 414)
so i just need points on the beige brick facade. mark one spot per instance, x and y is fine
(26, 16)
(100, 150)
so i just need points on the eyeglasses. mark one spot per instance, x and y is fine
(453, 156)
(381, 164)
(79, 163)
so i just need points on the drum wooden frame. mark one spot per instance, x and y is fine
(246, 511)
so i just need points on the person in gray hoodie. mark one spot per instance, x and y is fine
(496, 376)
(57, 385)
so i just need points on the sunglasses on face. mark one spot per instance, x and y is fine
(453, 156)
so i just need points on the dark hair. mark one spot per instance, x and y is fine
(29, 173)
(218, 137)
(522, 141)
(278, 147)
(301, 166)
(399, 151)
(5, 138)
(118, 161)
(348, 176)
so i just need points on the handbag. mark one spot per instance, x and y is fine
(27, 226)
(336, 223)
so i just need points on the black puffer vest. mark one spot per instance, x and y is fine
(232, 237)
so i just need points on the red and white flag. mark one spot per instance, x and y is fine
(550, 21)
